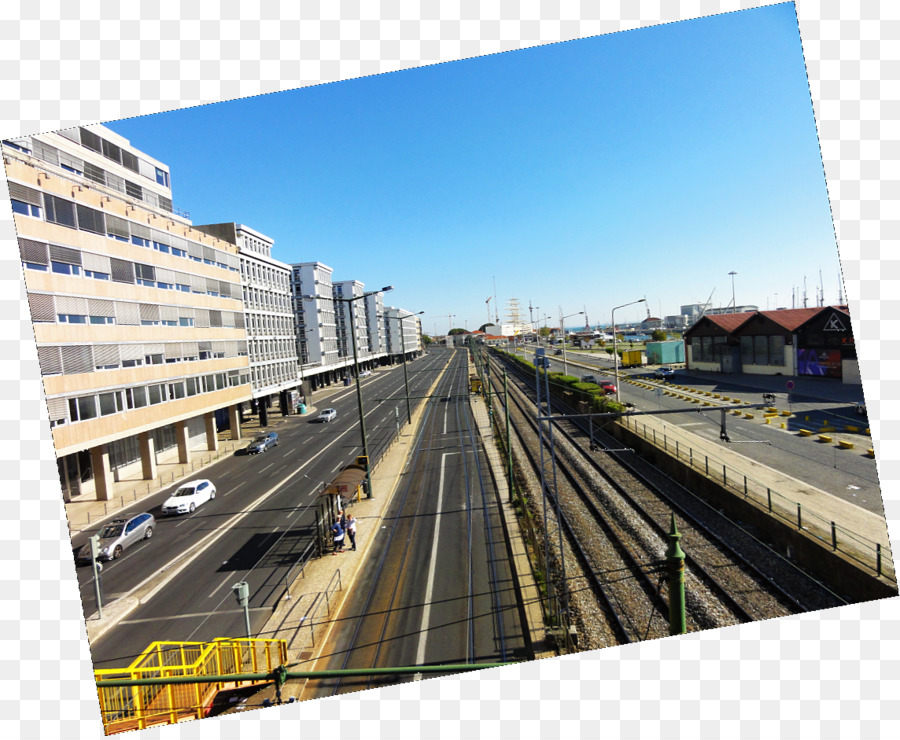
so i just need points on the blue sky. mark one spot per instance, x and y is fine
(580, 175)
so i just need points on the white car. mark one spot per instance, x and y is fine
(189, 496)
(327, 415)
(365, 373)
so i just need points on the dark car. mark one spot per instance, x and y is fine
(262, 443)
(119, 535)
(590, 379)
(861, 409)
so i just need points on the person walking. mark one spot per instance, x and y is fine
(337, 533)
(351, 530)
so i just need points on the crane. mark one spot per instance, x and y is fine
(488, 302)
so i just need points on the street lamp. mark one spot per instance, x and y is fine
(362, 418)
(733, 304)
(403, 348)
(615, 343)
(562, 331)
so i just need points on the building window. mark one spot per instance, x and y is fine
(26, 209)
(82, 409)
(155, 394)
(70, 318)
(103, 319)
(64, 268)
(96, 275)
(162, 177)
(156, 359)
(59, 211)
(35, 266)
(185, 321)
(110, 403)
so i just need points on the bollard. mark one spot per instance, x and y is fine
(769, 497)
(675, 558)
(833, 536)
(799, 518)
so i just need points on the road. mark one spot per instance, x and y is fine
(850, 475)
(257, 526)
(438, 586)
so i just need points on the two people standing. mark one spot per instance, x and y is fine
(345, 524)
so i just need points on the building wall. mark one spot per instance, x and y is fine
(137, 316)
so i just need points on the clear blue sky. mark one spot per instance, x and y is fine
(583, 174)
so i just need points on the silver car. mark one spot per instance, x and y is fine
(119, 535)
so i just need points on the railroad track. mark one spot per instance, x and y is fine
(612, 502)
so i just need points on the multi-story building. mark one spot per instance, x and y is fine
(315, 326)
(351, 317)
(268, 315)
(375, 325)
(137, 315)
(403, 333)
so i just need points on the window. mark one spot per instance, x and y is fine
(103, 320)
(90, 220)
(179, 252)
(59, 211)
(185, 321)
(35, 266)
(165, 286)
(134, 190)
(160, 247)
(183, 288)
(136, 398)
(132, 363)
(70, 318)
(92, 172)
(63, 268)
(162, 177)
(110, 403)
(26, 209)
(96, 275)
(141, 242)
(176, 391)
(111, 151)
(193, 386)
(154, 359)
(155, 394)
(90, 140)
(82, 409)
(130, 161)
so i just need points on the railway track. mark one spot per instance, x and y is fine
(616, 510)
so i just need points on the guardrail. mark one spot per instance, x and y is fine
(839, 538)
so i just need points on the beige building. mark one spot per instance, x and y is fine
(137, 315)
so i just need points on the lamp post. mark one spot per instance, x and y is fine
(562, 331)
(733, 304)
(403, 347)
(615, 342)
(359, 401)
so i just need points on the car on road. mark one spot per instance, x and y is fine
(326, 415)
(365, 373)
(118, 535)
(262, 443)
(558, 352)
(663, 372)
(590, 379)
(608, 386)
(189, 496)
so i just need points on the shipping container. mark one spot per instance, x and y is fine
(665, 353)
(633, 358)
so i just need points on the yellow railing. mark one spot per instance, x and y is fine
(136, 707)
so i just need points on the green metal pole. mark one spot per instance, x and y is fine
(675, 558)
(279, 674)
(509, 465)
(362, 417)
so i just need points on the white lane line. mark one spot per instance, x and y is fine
(266, 468)
(338, 467)
(429, 588)
(224, 581)
(232, 490)
(200, 615)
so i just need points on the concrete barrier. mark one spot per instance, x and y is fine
(845, 445)
(828, 439)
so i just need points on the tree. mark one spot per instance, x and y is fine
(454, 332)
(426, 340)
(658, 335)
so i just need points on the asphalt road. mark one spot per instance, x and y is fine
(437, 588)
(847, 474)
(257, 526)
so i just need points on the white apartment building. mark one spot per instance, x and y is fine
(403, 333)
(375, 324)
(137, 315)
(351, 320)
(268, 315)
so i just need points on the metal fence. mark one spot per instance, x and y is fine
(868, 553)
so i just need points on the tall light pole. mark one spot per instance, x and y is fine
(359, 401)
(403, 347)
(733, 304)
(562, 331)
(615, 342)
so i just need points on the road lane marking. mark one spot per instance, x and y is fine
(263, 470)
(224, 581)
(198, 615)
(429, 588)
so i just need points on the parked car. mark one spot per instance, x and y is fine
(326, 415)
(663, 372)
(608, 386)
(365, 373)
(558, 352)
(589, 379)
(118, 535)
(262, 443)
(861, 409)
(189, 496)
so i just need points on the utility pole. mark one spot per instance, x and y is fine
(675, 564)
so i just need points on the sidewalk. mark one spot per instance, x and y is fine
(85, 511)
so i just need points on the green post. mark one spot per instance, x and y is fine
(509, 467)
(675, 558)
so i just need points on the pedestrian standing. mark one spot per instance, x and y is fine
(337, 532)
(351, 530)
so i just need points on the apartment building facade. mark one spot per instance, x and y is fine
(268, 317)
(137, 315)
